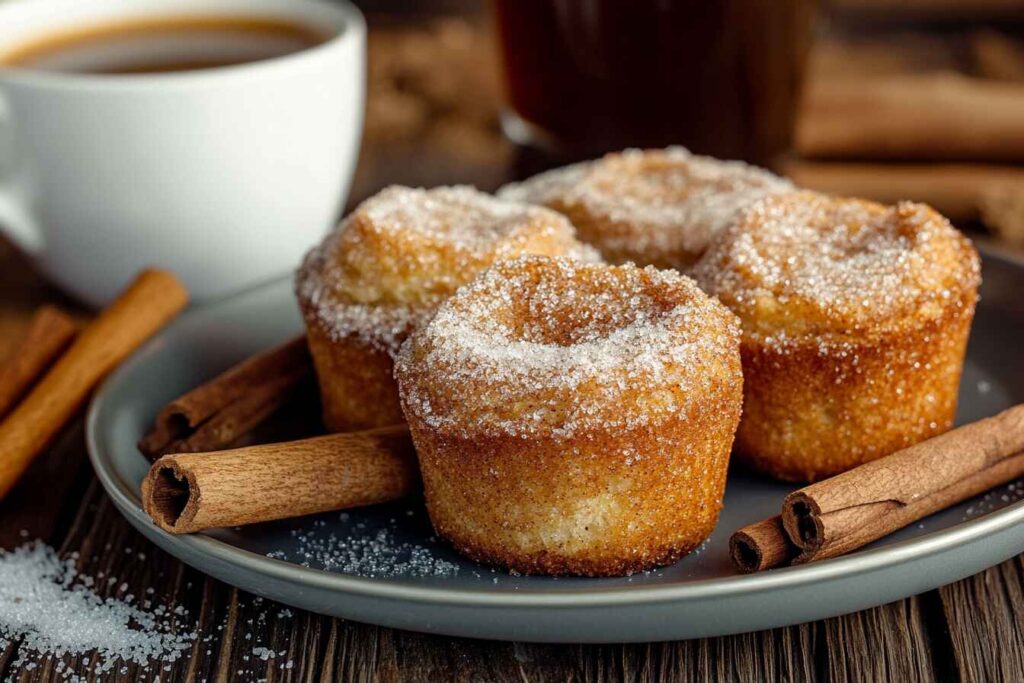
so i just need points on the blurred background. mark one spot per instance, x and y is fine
(918, 99)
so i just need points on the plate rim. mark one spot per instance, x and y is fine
(856, 563)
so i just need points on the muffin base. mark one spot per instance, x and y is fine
(357, 386)
(811, 411)
(598, 505)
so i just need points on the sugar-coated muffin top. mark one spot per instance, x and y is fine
(554, 347)
(403, 251)
(657, 207)
(810, 267)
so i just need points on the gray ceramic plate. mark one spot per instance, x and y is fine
(381, 565)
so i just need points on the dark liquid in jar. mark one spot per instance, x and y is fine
(719, 76)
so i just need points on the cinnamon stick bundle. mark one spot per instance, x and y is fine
(958, 10)
(850, 510)
(761, 545)
(214, 415)
(997, 55)
(49, 333)
(958, 191)
(190, 492)
(927, 117)
(152, 300)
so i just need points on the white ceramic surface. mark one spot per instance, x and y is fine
(225, 176)
(701, 595)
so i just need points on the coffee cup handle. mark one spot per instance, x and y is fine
(16, 221)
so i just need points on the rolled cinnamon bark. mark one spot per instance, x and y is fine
(997, 55)
(49, 333)
(153, 299)
(929, 117)
(761, 546)
(931, 10)
(958, 191)
(852, 509)
(190, 492)
(215, 414)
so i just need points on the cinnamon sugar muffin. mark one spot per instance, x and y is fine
(855, 321)
(653, 207)
(574, 418)
(385, 269)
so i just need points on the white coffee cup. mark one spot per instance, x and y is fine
(225, 176)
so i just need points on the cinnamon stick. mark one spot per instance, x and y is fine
(960, 192)
(215, 414)
(997, 55)
(49, 333)
(927, 117)
(852, 509)
(153, 299)
(1002, 212)
(190, 492)
(930, 10)
(761, 546)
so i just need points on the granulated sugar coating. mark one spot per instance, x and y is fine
(401, 252)
(553, 346)
(49, 609)
(806, 265)
(657, 207)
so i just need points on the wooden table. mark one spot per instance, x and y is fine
(971, 629)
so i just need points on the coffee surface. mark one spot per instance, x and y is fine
(161, 44)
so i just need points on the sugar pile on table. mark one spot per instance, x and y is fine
(51, 609)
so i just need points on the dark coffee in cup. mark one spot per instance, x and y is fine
(161, 44)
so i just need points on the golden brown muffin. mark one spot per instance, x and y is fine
(855, 320)
(653, 207)
(574, 418)
(385, 269)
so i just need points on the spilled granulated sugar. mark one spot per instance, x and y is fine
(363, 551)
(808, 264)
(50, 609)
(388, 265)
(555, 346)
(995, 500)
(652, 204)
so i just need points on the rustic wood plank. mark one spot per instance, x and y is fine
(886, 643)
(46, 498)
(776, 655)
(47, 493)
(22, 290)
(122, 563)
(984, 615)
(7, 653)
